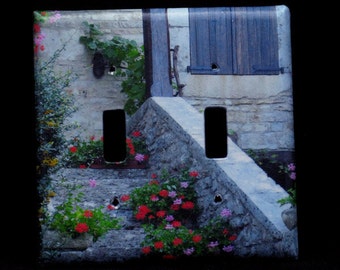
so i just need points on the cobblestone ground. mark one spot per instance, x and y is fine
(116, 245)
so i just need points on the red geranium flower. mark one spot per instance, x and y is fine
(110, 207)
(136, 133)
(153, 182)
(225, 231)
(146, 250)
(233, 237)
(158, 245)
(193, 173)
(176, 223)
(174, 207)
(36, 28)
(161, 213)
(196, 238)
(163, 193)
(88, 213)
(125, 197)
(81, 228)
(177, 241)
(73, 149)
(188, 205)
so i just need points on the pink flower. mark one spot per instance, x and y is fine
(184, 184)
(189, 251)
(228, 248)
(92, 183)
(154, 198)
(225, 213)
(56, 16)
(291, 166)
(139, 157)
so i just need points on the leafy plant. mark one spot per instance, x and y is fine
(173, 195)
(167, 209)
(123, 56)
(291, 198)
(53, 106)
(172, 239)
(83, 153)
(73, 220)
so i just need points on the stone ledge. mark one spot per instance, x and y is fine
(175, 135)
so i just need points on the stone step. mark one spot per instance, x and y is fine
(115, 245)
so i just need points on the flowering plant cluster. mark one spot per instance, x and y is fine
(74, 220)
(39, 18)
(81, 153)
(168, 210)
(136, 147)
(84, 153)
(291, 198)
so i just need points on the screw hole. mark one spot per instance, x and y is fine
(214, 67)
(115, 202)
(218, 198)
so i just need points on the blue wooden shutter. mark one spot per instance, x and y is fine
(210, 29)
(233, 40)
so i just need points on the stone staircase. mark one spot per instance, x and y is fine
(174, 134)
(116, 245)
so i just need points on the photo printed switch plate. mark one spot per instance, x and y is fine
(164, 68)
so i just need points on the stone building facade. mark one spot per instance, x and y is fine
(259, 108)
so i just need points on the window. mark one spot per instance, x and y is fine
(233, 41)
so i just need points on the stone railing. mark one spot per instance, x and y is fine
(174, 133)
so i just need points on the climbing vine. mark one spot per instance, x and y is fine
(123, 57)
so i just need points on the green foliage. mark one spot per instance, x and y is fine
(53, 106)
(167, 208)
(69, 214)
(216, 238)
(266, 161)
(127, 58)
(84, 153)
(291, 198)
(160, 195)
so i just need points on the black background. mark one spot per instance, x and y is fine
(315, 115)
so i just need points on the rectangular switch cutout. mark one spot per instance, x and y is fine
(114, 135)
(215, 131)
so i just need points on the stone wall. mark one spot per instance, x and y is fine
(92, 95)
(174, 133)
(260, 108)
(175, 136)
